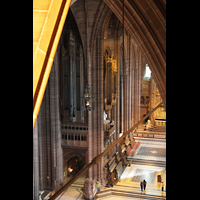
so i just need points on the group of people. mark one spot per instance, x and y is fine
(143, 185)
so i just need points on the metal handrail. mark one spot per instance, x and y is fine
(98, 158)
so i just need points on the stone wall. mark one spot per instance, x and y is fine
(49, 133)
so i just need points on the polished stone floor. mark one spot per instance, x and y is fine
(148, 162)
(151, 151)
(147, 154)
(132, 176)
(75, 191)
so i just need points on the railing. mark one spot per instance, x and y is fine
(98, 158)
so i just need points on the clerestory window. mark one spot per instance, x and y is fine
(147, 72)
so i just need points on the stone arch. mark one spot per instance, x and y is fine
(69, 155)
(70, 160)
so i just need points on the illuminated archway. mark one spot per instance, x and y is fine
(72, 164)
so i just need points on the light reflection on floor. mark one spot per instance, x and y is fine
(133, 175)
(140, 170)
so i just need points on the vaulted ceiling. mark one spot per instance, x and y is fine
(145, 20)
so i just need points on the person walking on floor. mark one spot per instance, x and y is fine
(141, 185)
(144, 184)
(162, 185)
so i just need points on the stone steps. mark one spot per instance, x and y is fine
(136, 195)
(150, 134)
(115, 192)
(102, 194)
(147, 162)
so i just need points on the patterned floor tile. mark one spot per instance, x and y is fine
(150, 151)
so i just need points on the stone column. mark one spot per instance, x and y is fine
(137, 85)
(72, 80)
(35, 163)
(44, 138)
(56, 149)
(118, 91)
(81, 83)
(129, 82)
(121, 92)
(96, 117)
(153, 97)
(132, 66)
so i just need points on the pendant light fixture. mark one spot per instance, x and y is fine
(87, 97)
